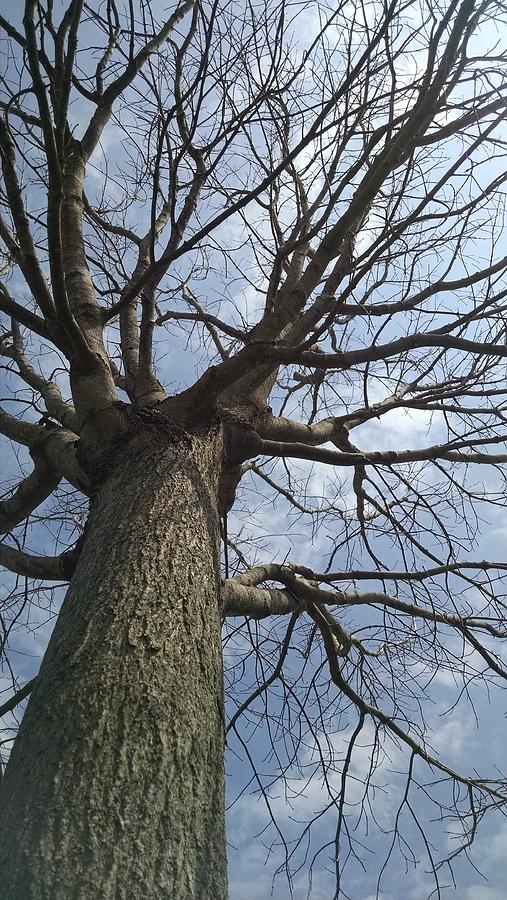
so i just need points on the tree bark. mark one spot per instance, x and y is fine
(115, 786)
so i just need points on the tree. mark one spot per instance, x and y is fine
(237, 239)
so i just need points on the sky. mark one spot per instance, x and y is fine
(254, 848)
(465, 742)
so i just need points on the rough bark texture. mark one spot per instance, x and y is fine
(115, 785)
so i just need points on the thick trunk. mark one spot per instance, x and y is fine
(115, 785)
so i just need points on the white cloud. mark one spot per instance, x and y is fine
(482, 892)
(451, 737)
(399, 429)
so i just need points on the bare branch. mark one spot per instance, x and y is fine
(29, 494)
(48, 568)
(17, 698)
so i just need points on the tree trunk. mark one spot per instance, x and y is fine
(115, 784)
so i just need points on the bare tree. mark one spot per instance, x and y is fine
(238, 238)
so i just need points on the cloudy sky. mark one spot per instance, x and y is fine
(472, 735)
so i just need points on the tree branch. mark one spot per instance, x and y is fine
(50, 392)
(47, 568)
(112, 92)
(29, 494)
(377, 714)
(18, 697)
(374, 457)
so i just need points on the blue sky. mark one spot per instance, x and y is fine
(275, 531)
(466, 744)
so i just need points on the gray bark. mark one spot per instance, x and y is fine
(115, 784)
